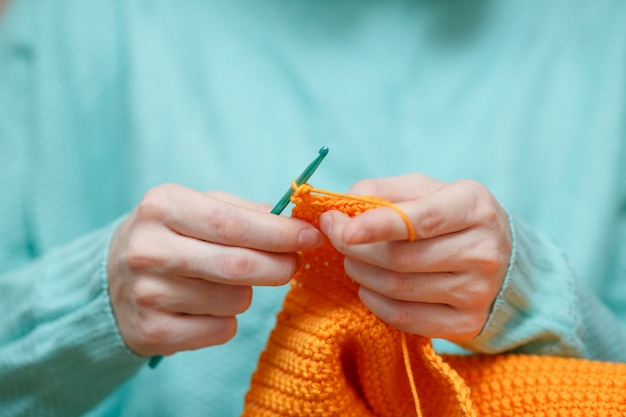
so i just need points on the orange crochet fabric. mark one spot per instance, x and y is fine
(329, 356)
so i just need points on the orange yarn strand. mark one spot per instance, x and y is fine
(409, 374)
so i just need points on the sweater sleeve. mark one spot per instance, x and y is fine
(60, 350)
(543, 308)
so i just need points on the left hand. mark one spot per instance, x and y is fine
(442, 284)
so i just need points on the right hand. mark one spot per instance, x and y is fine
(182, 266)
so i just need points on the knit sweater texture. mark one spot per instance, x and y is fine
(102, 100)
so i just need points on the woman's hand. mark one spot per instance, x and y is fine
(443, 283)
(183, 264)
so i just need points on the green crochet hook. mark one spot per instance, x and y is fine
(278, 208)
(304, 177)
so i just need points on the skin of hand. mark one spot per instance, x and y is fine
(442, 284)
(183, 263)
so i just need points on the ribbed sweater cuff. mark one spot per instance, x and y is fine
(536, 309)
(90, 259)
(77, 342)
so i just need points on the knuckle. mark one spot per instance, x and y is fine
(284, 237)
(495, 263)
(428, 224)
(469, 325)
(397, 285)
(144, 294)
(138, 259)
(470, 296)
(287, 237)
(492, 258)
(398, 317)
(483, 204)
(153, 205)
(234, 264)
(402, 258)
(227, 228)
(487, 212)
(151, 334)
(474, 188)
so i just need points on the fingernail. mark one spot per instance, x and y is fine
(309, 238)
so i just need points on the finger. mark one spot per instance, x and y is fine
(424, 319)
(448, 210)
(237, 226)
(165, 334)
(449, 253)
(193, 296)
(399, 188)
(436, 288)
(191, 258)
(203, 217)
(242, 266)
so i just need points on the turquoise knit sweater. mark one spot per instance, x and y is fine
(102, 99)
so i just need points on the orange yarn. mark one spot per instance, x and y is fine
(329, 356)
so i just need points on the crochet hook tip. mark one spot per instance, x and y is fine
(304, 177)
(306, 174)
